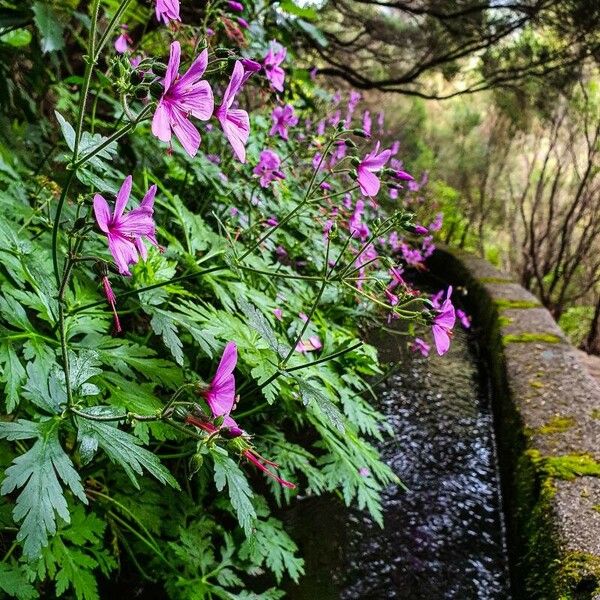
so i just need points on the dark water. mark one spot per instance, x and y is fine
(443, 539)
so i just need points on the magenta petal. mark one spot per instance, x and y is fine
(161, 125)
(227, 363)
(236, 126)
(186, 133)
(235, 83)
(102, 213)
(441, 339)
(123, 197)
(173, 66)
(195, 71)
(368, 182)
(123, 251)
(198, 101)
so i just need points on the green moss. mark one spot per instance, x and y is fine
(529, 338)
(536, 384)
(504, 321)
(568, 466)
(596, 507)
(556, 425)
(494, 280)
(579, 572)
(504, 303)
(596, 414)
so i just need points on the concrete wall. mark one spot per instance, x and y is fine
(547, 410)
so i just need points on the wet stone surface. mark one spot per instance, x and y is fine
(443, 538)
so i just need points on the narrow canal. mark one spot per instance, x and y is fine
(444, 537)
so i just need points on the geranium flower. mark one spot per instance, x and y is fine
(123, 41)
(436, 224)
(464, 318)
(220, 392)
(310, 345)
(397, 279)
(366, 123)
(443, 324)
(125, 232)
(236, 6)
(184, 96)
(283, 117)
(374, 161)
(250, 67)
(234, 122)
(167, 10)
(268, 168)
(421, 346)
(272, 61)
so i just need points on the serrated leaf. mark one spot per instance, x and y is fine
(228, 473)
(45, 390)
(311, 394)
(37, 471)
(164, 326)
(50, 28)
(272, 546)
(259, 323)
(67, 130)
(13, 581)
(12, 375)
(82, 367)
(123, 448)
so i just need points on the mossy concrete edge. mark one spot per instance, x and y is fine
(545, 407)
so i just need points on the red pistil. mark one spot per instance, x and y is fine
(111, 299)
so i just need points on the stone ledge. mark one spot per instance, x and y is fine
(546, 407)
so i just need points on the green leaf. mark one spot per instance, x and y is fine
(272, 546)
(259, 323)
(82, 367)
(240, 494)
(38, 472)
(50, 28)
(12, 375)
(313, 32)
(67, 130)
(163, 325)
(304, 12)
(45, 390)
(312, 395)
(13, 581)
(122, 448)
(17, 38)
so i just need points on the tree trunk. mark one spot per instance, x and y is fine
(592, 343)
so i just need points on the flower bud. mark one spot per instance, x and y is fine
(360, 133)
(136, 77)
(79, 224)
(354, 161)
(180, 413)
(222, 52)
(159, 69)
(141, 93)
(156, 89)
(195, 464)
(219, 421)
(350, 143)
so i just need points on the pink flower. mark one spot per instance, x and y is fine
(364, 472)
(111, 299)
(313, 343)
(420, 230)
(443, 323)
(268, 168)
(125, 232)
(234, 122)
(283, 117)
(392, 298)
(272, 221)
(220, 393)
(278, 314)
(236, 6)
(327, 228)
(370, 164)
(397, 279)
(272, 61)
(464, 318)
(167, 10)
(366, 122)
(412, 256)
(183, 96)
(250, 67)
(420, 346)
(395, 148)
(243, 23)
(436, 224)
(303, 317)
(123, 41)
(403, 175)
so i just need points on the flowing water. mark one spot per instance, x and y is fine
(443, 538)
